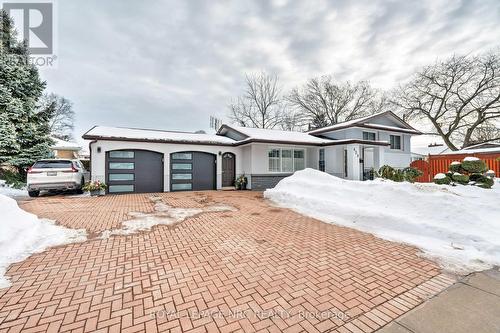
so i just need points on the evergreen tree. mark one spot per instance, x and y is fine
(24, 135)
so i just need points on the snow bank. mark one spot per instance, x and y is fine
(12, 192)
(22, 234)
(457, 226)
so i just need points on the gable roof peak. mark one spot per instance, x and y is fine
(360, 122)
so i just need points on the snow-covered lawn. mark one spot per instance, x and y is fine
(22, 234)
(457, 226)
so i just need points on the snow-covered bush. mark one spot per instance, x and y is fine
(442, 179)
(484, 181)
(459, 178)
(471, 171)
(474, 165)
(456, 166)
(490, 173)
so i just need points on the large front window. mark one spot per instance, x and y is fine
(286, 159)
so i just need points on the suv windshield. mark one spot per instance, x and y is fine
(52, 164)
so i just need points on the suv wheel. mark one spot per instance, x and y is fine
(33, 194)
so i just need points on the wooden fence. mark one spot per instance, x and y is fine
(440, 164)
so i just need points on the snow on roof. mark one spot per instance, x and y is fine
(252, 134)
(362, 120)
(395, 128)
(277, 135)
(473, 151)
(346, 123)
(104, 132)
(428, 144)
(64, 145)
(486, 144)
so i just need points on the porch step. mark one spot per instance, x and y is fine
(228, 188)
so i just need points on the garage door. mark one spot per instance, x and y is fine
(134, 171)
(191, 170)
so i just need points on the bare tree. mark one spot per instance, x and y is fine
(292, 121)
(261, 106)
(61, 125)
(323, 102)
(487, 132)
(460, 97)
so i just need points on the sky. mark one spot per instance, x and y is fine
(171, 64)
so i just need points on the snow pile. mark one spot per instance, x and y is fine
(457, 226)
(12, 192)
(22, 234)
(471, 158)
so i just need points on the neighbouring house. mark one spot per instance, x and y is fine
(65, 149)
(141, 160)
(427, 144)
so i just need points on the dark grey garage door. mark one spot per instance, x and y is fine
(191, 170)
(134, 171)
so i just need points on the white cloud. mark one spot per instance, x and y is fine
(172, 64)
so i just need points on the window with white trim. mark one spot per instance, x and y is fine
(274, 160)
(395, 141)
(286, 159)
(369, 136)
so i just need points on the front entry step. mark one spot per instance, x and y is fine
(228, 188)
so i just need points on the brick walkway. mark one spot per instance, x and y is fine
(260, 268)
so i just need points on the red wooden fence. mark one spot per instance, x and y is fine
(440, 164)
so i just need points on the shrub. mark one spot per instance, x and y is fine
(397, 175)
(12, 177)
(474, 177)
(484, 182)
(459, 178)
(386, 172)
(455, 166)
(410, 174)
(473, 171)
(442, 179)
(474, 165)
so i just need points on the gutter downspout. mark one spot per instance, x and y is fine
(90, 156)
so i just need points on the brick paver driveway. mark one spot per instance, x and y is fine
(259, 268)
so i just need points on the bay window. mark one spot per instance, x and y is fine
(286, 159)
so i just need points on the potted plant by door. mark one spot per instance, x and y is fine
(241, 182)
(95, 188)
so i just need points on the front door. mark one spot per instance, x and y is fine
(228, 169)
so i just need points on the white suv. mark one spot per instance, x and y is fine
(56, 174)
